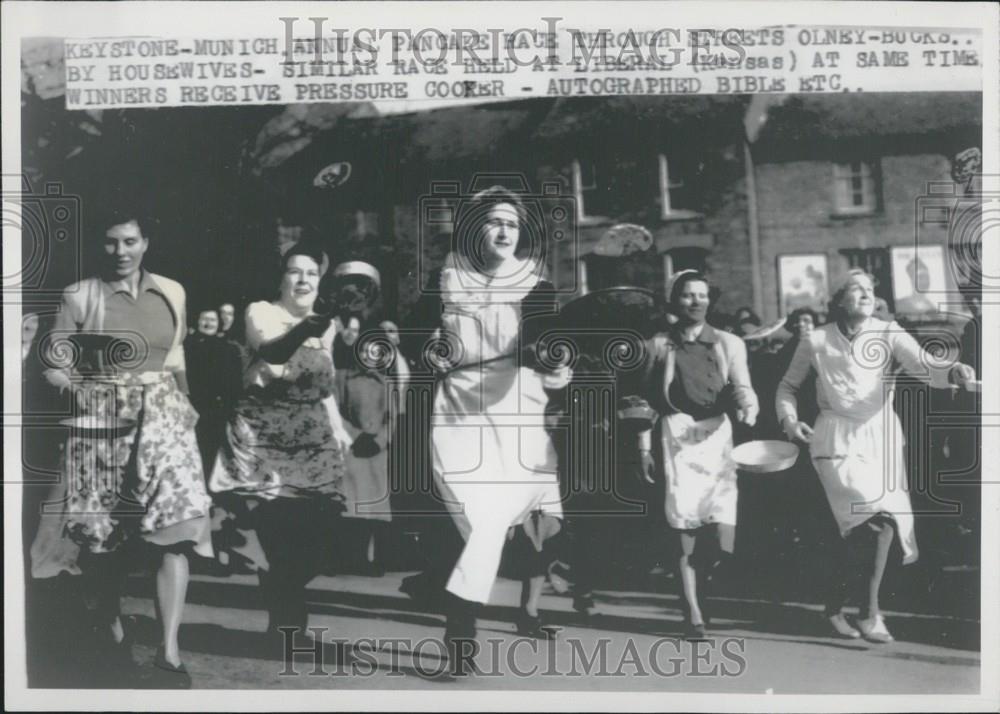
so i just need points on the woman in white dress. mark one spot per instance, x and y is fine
(857, 442)
(493, 460)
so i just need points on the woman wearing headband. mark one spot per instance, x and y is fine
(285, 442)
(693, 375)
(493, 461)
(859, 463)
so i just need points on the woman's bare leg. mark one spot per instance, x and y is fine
(531, 594)
(171, 591)
(884, 531)
(689, 579)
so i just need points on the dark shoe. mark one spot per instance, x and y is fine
(167, 676)
(462, 651)
(460, 635)
(528, 626)
(694, 633)
(584, 604)
(113, 666)
(418, 588)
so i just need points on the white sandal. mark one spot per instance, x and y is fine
(842, 627)
(874, 630)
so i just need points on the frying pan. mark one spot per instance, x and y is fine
(765, 456)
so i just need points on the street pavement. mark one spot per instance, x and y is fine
(377, 638)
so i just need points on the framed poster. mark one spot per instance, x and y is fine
(918, 276)
(803, 281)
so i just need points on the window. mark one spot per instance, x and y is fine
(675, 194)
(855, 188)
(600, 190)
(617, 188)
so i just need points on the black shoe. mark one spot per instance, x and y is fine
(167, 676)
(584, 604)
(694, 633)
(460, 635)
(114, 666)
(462, 651)
(528, 626)
(418, 588)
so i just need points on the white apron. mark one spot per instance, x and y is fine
(494, 462)
(861, 465)
(699, 471)
(857, 446)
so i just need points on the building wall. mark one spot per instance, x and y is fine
(795, 201)
(722, 229)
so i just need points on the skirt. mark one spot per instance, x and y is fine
(147, 482)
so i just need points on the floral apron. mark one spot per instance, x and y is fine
(144, 481)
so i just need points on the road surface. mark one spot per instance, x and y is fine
(630, 644)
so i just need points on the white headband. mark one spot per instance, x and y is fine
(677, 276)
(358, 267)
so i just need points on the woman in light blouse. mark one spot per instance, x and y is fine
(126, 486)
(285, 442)
(857, 442)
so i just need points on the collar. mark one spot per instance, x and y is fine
(707, 336)
(861, 329)
(462, 283)
(146, 284)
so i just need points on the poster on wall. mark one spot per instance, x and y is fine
(918, 275)
(803, 281)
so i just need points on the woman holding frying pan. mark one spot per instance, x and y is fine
(283, 456)
(125, 486)
(693, 375)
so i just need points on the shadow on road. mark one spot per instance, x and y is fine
(748, 618)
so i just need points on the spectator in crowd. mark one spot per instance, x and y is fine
(227, 319)
(367, 373)
(215, 377)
